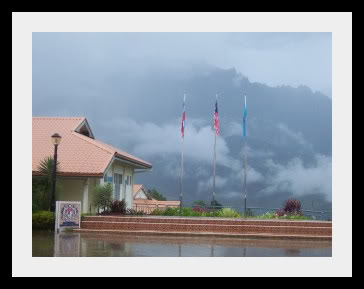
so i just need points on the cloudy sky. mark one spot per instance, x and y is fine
(130, 87)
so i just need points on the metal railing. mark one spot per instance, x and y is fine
(148, 209)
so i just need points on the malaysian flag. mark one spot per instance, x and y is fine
(183, 117)
(216, 119)
(245, 114)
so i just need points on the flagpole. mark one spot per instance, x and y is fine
(183, 137)
(213, 192)
(245, 163)
(245, 158)
(181, 185)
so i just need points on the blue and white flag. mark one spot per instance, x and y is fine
(245, 114)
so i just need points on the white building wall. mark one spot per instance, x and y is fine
(129, 172)
(72, 189)
(126, 190)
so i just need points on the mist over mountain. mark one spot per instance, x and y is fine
(289, 141)
(288, 132)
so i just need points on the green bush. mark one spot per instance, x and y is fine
(187, 212)
(207, 214)
(134, 212)
(272, 215)
(87, 214)
(157, 212)
(171, 212)
(43, 220)
(227, 213)
(103, 196)
(268, 215)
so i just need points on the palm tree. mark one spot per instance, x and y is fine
(46, 168)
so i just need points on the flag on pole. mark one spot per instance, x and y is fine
(183, 117)
(245, 114)
(216, 119)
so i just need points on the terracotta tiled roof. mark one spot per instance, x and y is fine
(78, 155)
(136, 189)
(119, 153)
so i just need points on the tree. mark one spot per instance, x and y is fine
(40, 200)
(103, 196)
(200, 203)
(216, 204)
(41, 186)
(156, 195)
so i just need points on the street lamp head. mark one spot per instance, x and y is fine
(56, 138)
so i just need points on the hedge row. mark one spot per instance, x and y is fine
(43, 220)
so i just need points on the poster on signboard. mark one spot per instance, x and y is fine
(68, 214)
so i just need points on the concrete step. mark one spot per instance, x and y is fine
(213, 228)
(207, 234)
(207, 221)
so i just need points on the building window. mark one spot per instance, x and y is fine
(118, 178)
(107, 179)
(127, 180)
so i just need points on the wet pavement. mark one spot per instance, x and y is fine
(67, 244)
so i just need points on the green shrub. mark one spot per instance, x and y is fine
(171, 212)
(103, 196)
(157, 212)
(134, 212)
(43, 220)
(274, 215)
(268, 215)
(207, 214)
(87, 214)
(227, 213)
(187, 212)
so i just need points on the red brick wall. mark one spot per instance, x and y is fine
(232, 226)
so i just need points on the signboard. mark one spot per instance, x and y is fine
(68, 215)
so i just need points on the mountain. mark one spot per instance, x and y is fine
(289, 131)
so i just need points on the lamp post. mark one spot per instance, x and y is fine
(56, 139)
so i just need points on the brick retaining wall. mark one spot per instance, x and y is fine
(204, 225)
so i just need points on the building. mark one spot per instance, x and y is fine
(142, 201)
(84, 161)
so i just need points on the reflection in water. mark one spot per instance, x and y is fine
(293, 252)
(94, 245)
(66, 244)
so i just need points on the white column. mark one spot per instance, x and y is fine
(132, 189)
(85, 196)
(123, 193)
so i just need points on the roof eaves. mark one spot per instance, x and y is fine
(70, 174)
(144, 164)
